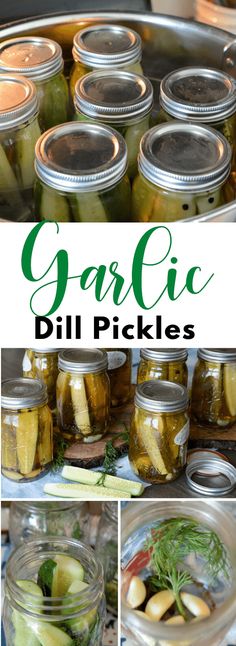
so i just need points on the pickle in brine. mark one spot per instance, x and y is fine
(229, 379)
(152, 440)
(26, 440)
(45, 441)
(80, 405)
(52, 206)
(88, 207)
(8, 437)
(25, 145)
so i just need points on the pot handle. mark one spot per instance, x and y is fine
(229, 58)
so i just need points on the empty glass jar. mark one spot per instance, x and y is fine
(165, 364)
(159, 431)
(43, 364)
(19, 131)
(75, 615)
(120, 374)
(106, 47)
(201, 95)
(83, 395)
(29, 520)
(183, 168)
(81, 169)
(119, 99)
(214, 388)
(27, 442)
(39, 59)
(107, 551)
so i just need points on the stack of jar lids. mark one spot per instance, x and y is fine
(210, 473)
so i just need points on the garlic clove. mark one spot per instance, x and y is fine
(176, 620)
(136, 593)
(159, 604)
(195, 605)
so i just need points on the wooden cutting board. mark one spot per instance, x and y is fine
(202, 437)
(92, 455)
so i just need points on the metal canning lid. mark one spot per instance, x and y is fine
(81, 157)
(83, 361)
(164, 354)
(198, 94)
(219, 355)
(23, 393)
(34, 57)
(161, 397)
(107, 46)
(181, 156)
(45, 350)
(114, 96)
(18, 101)
(219, 479)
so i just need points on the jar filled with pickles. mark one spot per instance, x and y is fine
(120, 374)
(214, 388)
(119, 99)
(159, 431)
(30, 520)
(83, 395)
(166, 364)
(19, 131)
(183, 169)
(54, 594)
(43, 364)
(107, 551)
(81, 175)
(41, 60)
(201, 95)
(106, 47)
(27, 440)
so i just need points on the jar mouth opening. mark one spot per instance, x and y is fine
(219, 522)
(23, 555)
(48, 506)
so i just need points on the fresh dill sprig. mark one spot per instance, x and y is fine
(175, 539)
(59, 448)
(111, 455)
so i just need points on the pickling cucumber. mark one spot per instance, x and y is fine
(65, 573)
(49, 635)
(53, 207)
(88, 207)
(23, 630)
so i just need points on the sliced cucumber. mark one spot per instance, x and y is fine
(65, 573)
(53, 207)
(25, 145)
(83, 491)
(85, 622)
(23, 630)
(49, 635)
(88, 207)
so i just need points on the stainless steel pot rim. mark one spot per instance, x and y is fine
(164, 354)
(172, 156)
(83, 360)
(218, 355)
(24, 108)
(45, 55)
(94, 96)
(208, 111)
(21, 393)
(79, 138)
(211, 465)
(126, 44)
(161, 397)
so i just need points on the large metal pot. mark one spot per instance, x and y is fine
(169, 43)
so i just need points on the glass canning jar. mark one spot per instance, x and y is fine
(81, 169)
(214, 388)
(106, 47)
(43, 364)
(201, 95)
(137, 520)
(165, 364)
(74, 618)
(159, 431)
(29, 520)
(107, 551)
(119, 99)
(120, 373)
(19, 131)
(183, 168)
(40, 60)
(27, 441)
(83, 394)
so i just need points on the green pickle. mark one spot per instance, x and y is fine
(78, 609)
(83, 398)
(119, 372)
(54, 107)
(214, 390)
(158, 440)
(27, 442)
(43, 364)
(167, 365)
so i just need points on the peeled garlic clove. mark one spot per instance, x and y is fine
(136, 593)
(159, 604)
(195, 605)
(177, 620)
